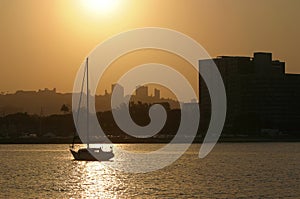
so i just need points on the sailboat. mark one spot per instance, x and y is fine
(88, 153)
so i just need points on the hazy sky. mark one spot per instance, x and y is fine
(43, 42)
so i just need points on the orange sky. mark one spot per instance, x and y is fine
(43, 42)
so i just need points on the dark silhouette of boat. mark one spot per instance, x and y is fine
(88, 154)
(92, 154)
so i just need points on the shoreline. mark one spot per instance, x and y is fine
(148, 141)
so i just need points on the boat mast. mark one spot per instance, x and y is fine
(78, 110)
(87, 103)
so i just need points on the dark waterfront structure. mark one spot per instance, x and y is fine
(261, 98)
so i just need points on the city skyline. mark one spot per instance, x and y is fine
(258, 63)
(151, 90)
(49, 101)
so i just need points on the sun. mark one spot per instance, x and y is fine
(99, 6)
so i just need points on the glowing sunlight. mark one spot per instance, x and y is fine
(99, 6)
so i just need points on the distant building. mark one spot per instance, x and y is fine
(259, 94)
(142, 95)
(156, 94)
(119, 87)
(120, 94)
(47, 91)
(142, 92)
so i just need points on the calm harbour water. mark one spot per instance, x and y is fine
(231, 170)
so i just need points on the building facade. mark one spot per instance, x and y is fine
(259, 95)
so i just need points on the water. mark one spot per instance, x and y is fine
(241, 170)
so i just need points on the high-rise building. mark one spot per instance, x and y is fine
(142, 92)
(259, 94)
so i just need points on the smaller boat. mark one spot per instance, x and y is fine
(89, 154)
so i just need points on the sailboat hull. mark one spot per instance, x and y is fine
(91, 155)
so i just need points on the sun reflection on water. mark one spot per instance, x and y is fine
(95, 180)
